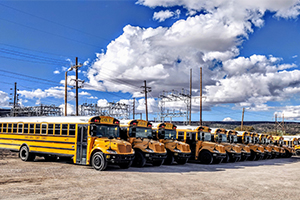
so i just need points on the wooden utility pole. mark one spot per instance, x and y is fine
(76, 86)
(133, 109)
(242, 119)
(66, 92)
(200, 96)
(276, 124)
(146, 90)
(190, 108)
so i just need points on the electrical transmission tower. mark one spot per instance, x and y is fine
(15, 99)
(41, 110)
(117, 110)
(172, 97)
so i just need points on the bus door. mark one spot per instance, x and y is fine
(81, 144)
(191, 140)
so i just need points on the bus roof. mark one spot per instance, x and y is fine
(46, 119)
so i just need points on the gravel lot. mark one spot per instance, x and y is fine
(265, 179)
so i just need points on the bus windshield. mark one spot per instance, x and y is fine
(295, 142)
(223, 137)
(234, 137)
(207, 137)
(140, 132)
(248, 139)
(170, 134)
(107, 131)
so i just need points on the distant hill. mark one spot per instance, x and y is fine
(291, 128)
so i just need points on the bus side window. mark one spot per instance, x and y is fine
(50, 129)
(25, 128)
(44, 129)
(20, 128)
(15, 128)
(9, 128)
(37, 128)
(57, 129)
(31, 130)
(4, 128)
(64, 130)
(180, 136)
(1, 127)
(72, 129)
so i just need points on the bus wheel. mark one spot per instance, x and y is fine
(227, 158)
(25, 155)
(99, 161)
(217, 160)
(169, 159)
(182, 161)
(158, 162)
(206, 157)
(125, 165)
(139, 159)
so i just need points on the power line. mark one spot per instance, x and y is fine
(62, 25)
(48, 32)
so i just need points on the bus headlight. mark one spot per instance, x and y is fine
(111, 151)
(177, 150)
(149, 150)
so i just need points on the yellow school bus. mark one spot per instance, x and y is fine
(202, 148)
(233, 151)
(257, 151)
(88, 140)
(139, 134)
(176, 151)
(233, 138)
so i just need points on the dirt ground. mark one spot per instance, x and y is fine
(265, 179)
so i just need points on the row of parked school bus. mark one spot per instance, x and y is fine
(102, 140)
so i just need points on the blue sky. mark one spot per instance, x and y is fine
(248, 51)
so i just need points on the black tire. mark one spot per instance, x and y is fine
(227, 158)
(25, 155)
(252, 157)
(139, 159)
(206, 157)
(50, 158)
(182, 161)
(169, 159)
(217, 160)
(158, 163)
(297, 152)
(125, 165)
(273, 156)
(99, 161)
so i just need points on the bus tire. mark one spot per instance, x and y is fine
(182, 161)
(125, 165)
(25, 155)
(99, 161)
(227, 158)
(217, 160)
(169, 159)
(139, 159)
(158, 163)
(206, 157)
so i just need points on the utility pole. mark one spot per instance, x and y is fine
(276, 124)
(76, 86)
(242, 119)
(146, 90)
(200, 96)
(190, 108)
(133, 109)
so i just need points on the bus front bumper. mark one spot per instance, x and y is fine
(155, 156)
(181, 155)
(116, 158)
(219, 155)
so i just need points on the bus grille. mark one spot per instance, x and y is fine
(159, 148)
(124, 148)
